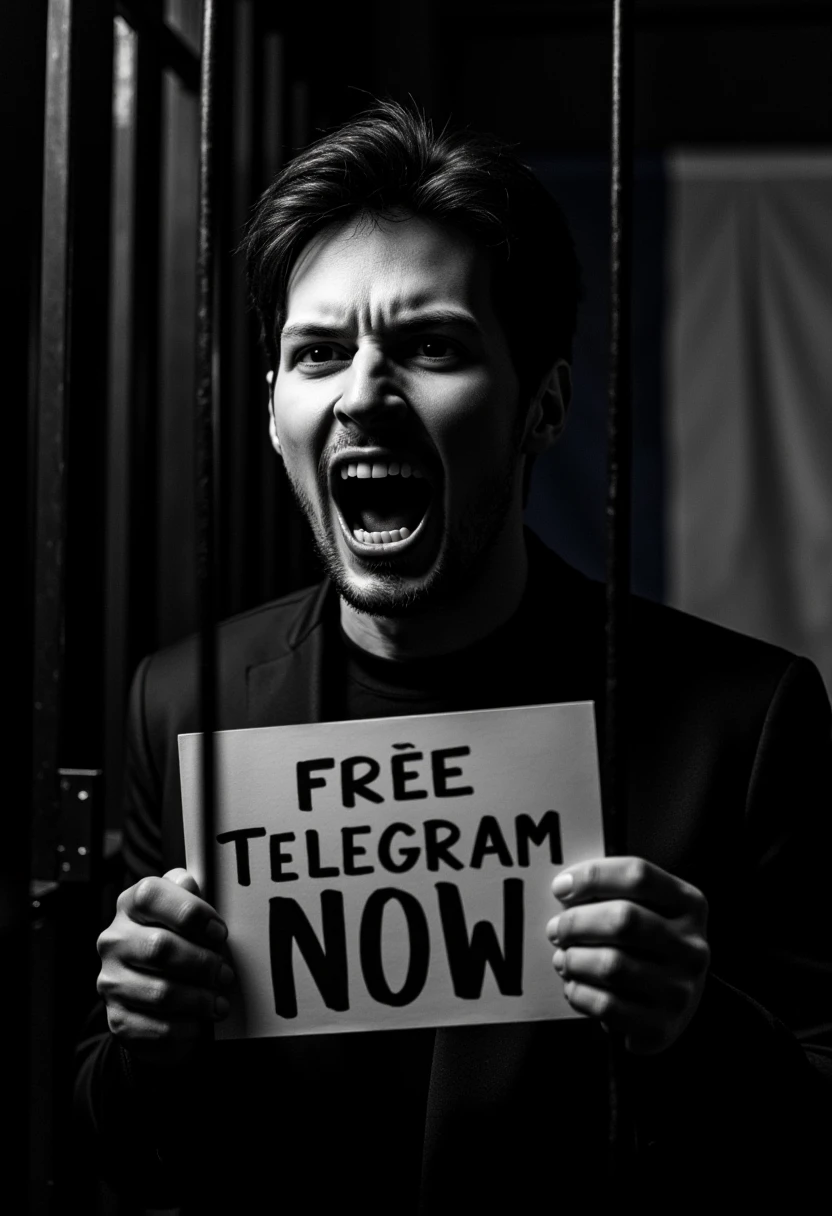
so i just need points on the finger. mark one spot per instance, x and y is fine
(616, 1012)
(183, 879)
(134, 1029)
(616, 922)
(152, 949)
(630, 878)
(155, 996)
(638, 980)
(645, 1029)
(159, 901)
(160, 998)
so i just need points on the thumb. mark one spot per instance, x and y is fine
(183, 879)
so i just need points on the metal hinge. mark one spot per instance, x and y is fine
(80, 812)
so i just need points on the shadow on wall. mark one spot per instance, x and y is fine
(566, 504)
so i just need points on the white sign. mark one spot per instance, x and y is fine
(396, 872)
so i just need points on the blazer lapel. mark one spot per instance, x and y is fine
(289, 688)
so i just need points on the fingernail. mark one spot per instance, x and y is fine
(553, 927)
(221, 1006)
(559, 961)
(562, 886)
(216, 931)
(226, 976)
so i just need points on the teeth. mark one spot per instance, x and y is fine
(381, 538)
(379, 468)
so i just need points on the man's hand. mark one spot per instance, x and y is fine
(631, 948)
(162, 974)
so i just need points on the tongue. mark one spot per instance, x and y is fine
(384, 504)
(373, 520)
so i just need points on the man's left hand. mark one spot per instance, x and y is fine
(631, 948)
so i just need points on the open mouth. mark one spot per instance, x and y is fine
(382, 501)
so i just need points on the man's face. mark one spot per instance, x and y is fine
(395, 410)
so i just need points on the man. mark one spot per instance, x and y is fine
(417, 295)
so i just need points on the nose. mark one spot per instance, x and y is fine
(370, 396)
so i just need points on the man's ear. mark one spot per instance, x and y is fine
(546, 417)
(273, 436)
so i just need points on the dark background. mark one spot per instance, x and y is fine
(101, 154)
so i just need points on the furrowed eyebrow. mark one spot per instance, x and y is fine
(437, 320)
(401, 328)
(310, 331)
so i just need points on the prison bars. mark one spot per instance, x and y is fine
(205, 443)
(622, 1132)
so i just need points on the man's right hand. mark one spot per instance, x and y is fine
(163, 976)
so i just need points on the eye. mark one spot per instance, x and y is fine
(322, 352)
(432, 348)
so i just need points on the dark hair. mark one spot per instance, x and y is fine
(389, 159)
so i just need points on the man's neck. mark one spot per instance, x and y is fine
(490, 600)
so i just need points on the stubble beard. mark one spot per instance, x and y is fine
(463, 552)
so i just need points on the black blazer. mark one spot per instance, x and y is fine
(730, 788)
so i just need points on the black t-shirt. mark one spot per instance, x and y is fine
(498, 671)
(391, 1069)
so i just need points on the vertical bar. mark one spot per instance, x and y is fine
(619, 429)
(176, 606)
(70, 433)
(50, 469)
(81, 738)
(23, 60)
(205, 452)
(134, 396)
(269, 552)
(118, 595)
(144, 357)
(618, 522)
(239, 433)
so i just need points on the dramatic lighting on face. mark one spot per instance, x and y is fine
(396, 411)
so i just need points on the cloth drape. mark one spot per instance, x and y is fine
(749, 395)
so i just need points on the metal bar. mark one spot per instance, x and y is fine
(619, 430)
(142, 615)
(81, 709)
(69, 543)
(81, 742)
(240, 442)
(650, 15)
(618, 519)
(22, 79)
(173, 51)
(50, 468)
(205, 452)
